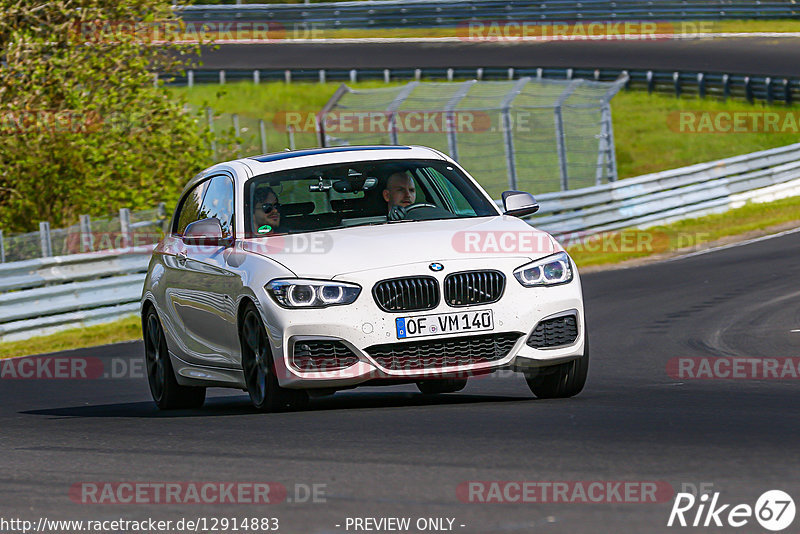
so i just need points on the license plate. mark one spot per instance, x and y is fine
(444, 323)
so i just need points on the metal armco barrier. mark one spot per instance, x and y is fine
(43, 295)
(430, 13)
(669, 196)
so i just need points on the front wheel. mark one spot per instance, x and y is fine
(164, 388)
(562, 380)
(259, 370)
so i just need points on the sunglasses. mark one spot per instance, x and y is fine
(267, 207)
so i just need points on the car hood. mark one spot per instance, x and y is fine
(331, 253)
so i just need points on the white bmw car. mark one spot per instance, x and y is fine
(302, 273)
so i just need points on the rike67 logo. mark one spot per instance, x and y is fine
(774, 510)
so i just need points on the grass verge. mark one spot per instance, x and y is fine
(127, 329)
(751, 220)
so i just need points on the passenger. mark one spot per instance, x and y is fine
(266, 212)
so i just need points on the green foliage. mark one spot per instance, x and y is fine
(83, 126)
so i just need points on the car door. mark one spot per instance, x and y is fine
(202, 288)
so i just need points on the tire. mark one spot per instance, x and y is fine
(444, 385)
(166, 392)
(259, 369)
(562, 380)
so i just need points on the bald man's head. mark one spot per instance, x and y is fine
(400, 190)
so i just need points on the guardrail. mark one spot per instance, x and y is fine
(443, 13)
(768, 89)
(43, 295)
(669, 196)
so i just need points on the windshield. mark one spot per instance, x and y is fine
(358, 194)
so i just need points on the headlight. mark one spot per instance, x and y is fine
(298, 293)
(549, 271)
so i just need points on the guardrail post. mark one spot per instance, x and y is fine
(768, 87)
(650, 82)
(479, 73)
(256, 76)
(210, 118)
(539, 73)
(726, 87)
(287, 76)
(417, 74)
(125, 227)
(676, 81)
(87, 239)
(353, 75)
(222, 77)
(290, 130)
(511, 73)
(787, 92)
(748, 89)
(163, 217)
(450, 75)
(262, 132)
(237, 133)
(45, 240)
(190, 78)
(387, 76)
(701, 85)
(321, 75)
(2, 249)
(569, 74)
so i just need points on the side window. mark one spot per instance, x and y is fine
(457, 200)
(190, 208)
(218, 202)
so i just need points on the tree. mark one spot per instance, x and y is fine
(84, 127)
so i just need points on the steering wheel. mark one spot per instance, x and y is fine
(399, 213)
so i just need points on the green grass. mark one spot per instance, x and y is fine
(127, 329)
(645, 143)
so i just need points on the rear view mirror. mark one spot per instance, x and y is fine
(519, 203)
(354, 185)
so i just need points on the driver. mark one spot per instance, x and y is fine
(399, 191)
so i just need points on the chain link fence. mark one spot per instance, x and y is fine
(540, 135)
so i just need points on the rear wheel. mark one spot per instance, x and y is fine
(259, 369)
(562, 380)
(166, 391)
(444, 385)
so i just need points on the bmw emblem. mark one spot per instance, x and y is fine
(436, 267)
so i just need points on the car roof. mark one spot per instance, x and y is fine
(344, 154)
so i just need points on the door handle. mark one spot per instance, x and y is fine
(181, 257)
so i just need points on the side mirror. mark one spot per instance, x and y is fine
(519, 203)
(205, 232)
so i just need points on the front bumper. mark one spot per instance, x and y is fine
(363, 324)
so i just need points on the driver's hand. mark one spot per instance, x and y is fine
(397, 213)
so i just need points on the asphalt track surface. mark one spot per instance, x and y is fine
(754, 55)
(393, 452)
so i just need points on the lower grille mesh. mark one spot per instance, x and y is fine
(318, 355)
(435, 354)
(554, 332)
